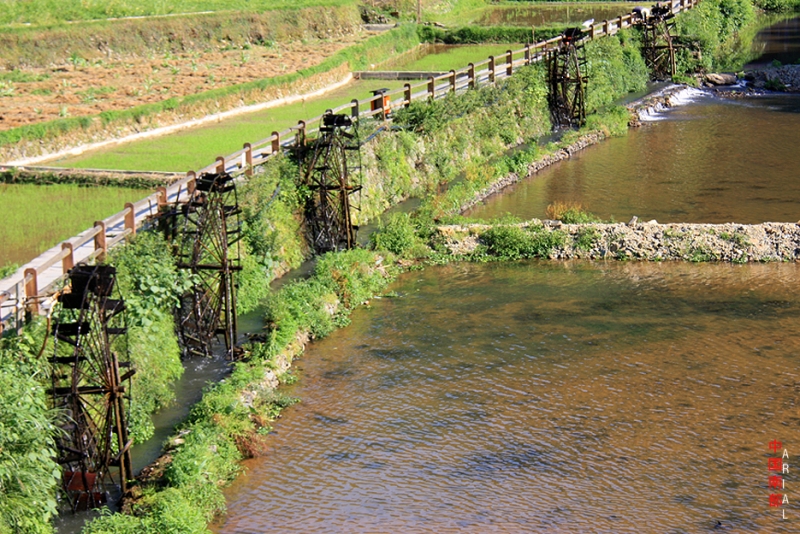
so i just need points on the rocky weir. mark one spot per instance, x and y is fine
(643, 241)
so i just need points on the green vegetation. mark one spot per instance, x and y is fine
(778, 6)
(400, 236)
(37, 217)
(28, 474)
(711, 29)
(41, 12)
(151, 286)
(586, 239)
(451, 58)
(514, 242)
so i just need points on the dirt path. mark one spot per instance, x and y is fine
(83, 88)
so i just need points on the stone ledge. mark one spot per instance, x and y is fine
(651, 241)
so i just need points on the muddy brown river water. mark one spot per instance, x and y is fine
(566, 397)
(582, 397)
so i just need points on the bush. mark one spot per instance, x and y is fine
(29, 476)
(398, 235)
(515, 242)
(151, 285)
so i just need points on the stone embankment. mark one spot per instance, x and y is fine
(785, 78)
(649, 241)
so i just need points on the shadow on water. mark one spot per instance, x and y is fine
(780, 42)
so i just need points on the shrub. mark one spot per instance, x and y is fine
(398, 235)
(515, 242)
(151, 285)
(29, 476)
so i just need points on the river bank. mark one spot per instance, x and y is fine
(641, 241)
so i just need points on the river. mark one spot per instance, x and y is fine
(711, 160)
(604, 397)
(553, 396)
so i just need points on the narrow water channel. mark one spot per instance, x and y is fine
(602, 397)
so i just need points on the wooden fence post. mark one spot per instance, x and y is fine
(527, 54)
(220, 164)
(248, 159)
(491, 69)
(130, 218)
(605, 28)
(31, 292)
(191, 185)
(471, 76)
(300, 137)
(276, 143)
(68, 261)
(100, 240)
(407, 94)
(509, 62)
(354, 111)
(431, 88)
(453, 80)
(161, 200)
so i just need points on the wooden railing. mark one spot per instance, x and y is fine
(31, 288)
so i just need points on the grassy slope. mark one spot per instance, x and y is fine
(54, 11)
(36, 217)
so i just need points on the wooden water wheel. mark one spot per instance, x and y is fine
(566, 80)
(89, 383)
(657, 42)
(329, 168)
(209, 248)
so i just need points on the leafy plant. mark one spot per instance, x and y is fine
(397, 235)
(28, 474)
(587, 238)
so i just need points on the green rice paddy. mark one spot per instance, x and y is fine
(38, 217)
(442, 58)
(195, 148)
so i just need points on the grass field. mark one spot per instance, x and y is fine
(442, 58)
(38, 217)
(197, 147)
(38, 12)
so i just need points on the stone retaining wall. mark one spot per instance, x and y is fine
(651, 241)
